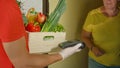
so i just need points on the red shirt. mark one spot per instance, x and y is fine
(11, 28)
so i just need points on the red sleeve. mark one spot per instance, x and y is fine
(11, 23)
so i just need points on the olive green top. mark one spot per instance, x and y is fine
(106, 35)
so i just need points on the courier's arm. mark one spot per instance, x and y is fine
(19, 56)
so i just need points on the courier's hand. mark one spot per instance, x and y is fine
(97, 52)
(70, 50)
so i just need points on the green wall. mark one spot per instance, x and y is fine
(72, 20)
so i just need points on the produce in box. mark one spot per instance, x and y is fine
(35, 20)
(41, 18)
(33, 27)
(45, 24)
(54, 17)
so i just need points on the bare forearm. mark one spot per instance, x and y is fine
(86, 37)
(20, 58)
(44, 59)
(88, 42)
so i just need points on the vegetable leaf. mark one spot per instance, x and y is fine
(54, 17)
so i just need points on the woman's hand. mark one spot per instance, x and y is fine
(97, 51)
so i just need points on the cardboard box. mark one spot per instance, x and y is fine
(44, 42)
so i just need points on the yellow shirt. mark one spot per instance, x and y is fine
(106, 35)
